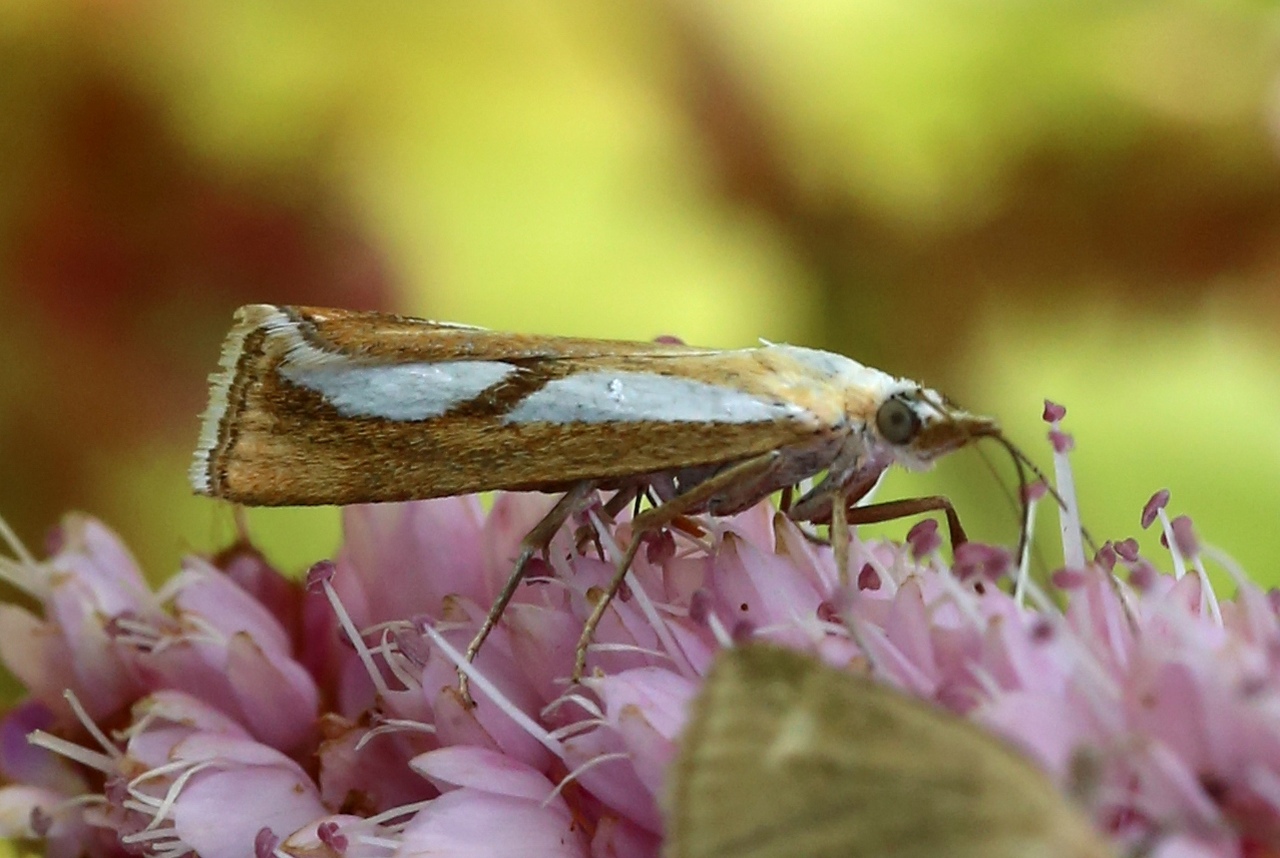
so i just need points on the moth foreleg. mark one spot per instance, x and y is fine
(844, 514)
(889, 510)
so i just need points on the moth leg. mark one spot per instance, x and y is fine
(840, 538)
(651, 519)
(814, 538)
(586, 535)
(743, 494)
(816, 505)
(889, 510)
(573, 501)
(843, 514)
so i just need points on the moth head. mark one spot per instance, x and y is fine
(919, 425)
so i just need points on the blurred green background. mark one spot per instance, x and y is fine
(1006, 200)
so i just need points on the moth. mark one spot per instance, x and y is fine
(317, 406)
(786, 757)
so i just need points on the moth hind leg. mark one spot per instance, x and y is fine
(573, 501)
(745, 472)
(743, 493)
(587, 535)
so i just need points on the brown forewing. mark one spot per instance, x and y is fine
(304, 454)
(389, 337)
(280, 444)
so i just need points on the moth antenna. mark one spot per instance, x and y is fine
(1020, 463)
(1023, 463)
(1019, 504)
(1129, 613)
(1022, 458)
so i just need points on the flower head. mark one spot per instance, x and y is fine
(236, 712)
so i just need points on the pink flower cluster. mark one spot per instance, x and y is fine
(233, 712)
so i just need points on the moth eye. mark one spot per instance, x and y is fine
(897, 422)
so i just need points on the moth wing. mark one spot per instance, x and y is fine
(785, 756)
(335, 407)
(381, 337)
